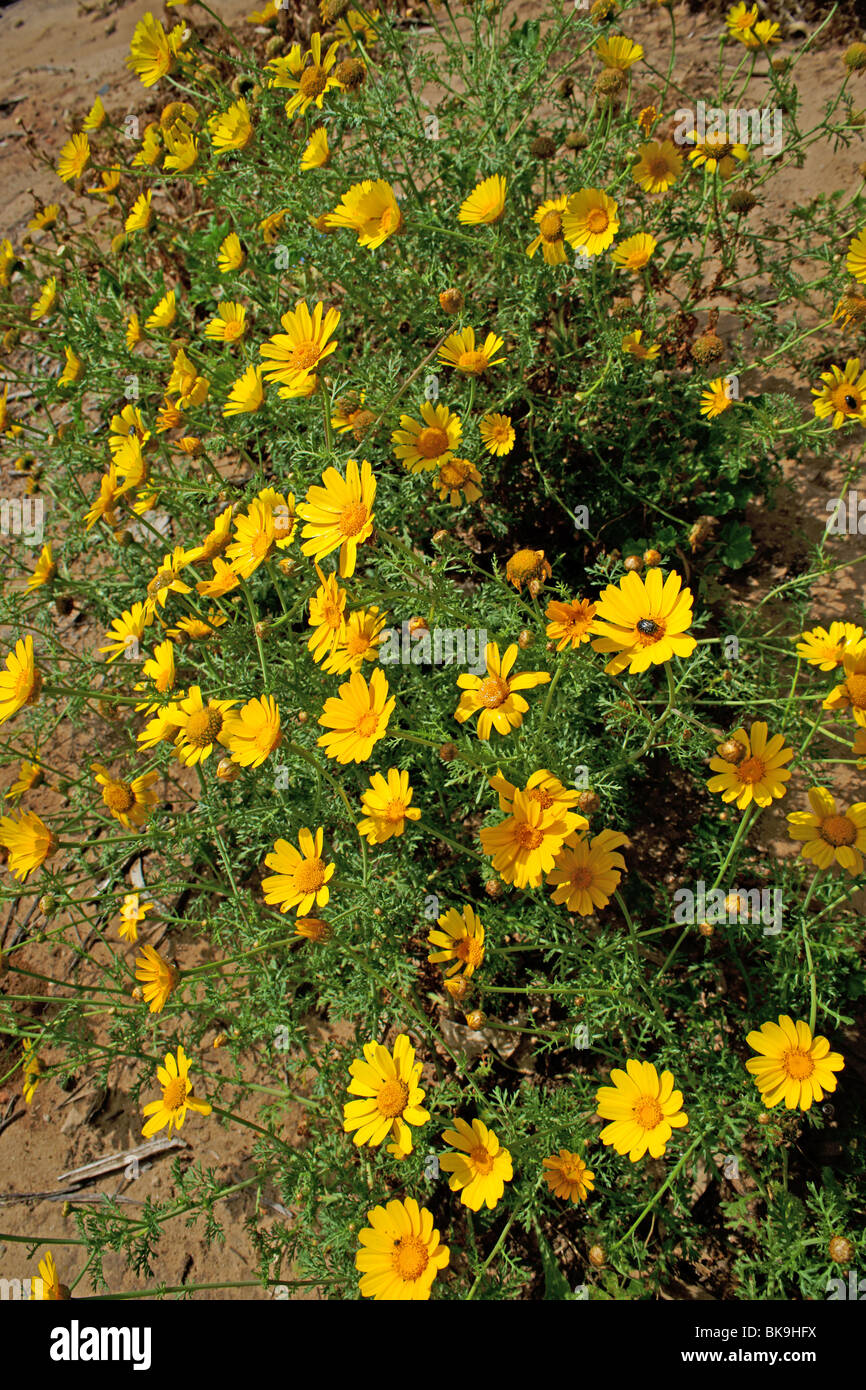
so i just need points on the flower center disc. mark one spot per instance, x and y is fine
(393, 1098)
(838, 830)
(582, 876)
(550, 226)
(751, 770)
(395, 810)
(432, 442)
(528, 837)
(798, 1065)
(470, 950)
(352, 518)
(367, 724)
(472, 361)
(856, 687)
(309, 875)
(174, 1094)
(481, 1160)
(119, 796)
(304, 355)
(410, 1258)
(596, 220)
(648, 1112)
(313, 82)
(203, 727)
(493, 692)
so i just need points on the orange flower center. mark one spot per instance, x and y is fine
(303, 356)
(751, 770)
(572, 1168)
(233, 330)
(432, 442)
(838, 830)
(313, 81)
(481, 1160)
(856, 688)
(528, 837)
(648, 631)
(597, 220)
(395, 810)
(493, 692)
(393, 1098)
(470, 950)
(453, 473)
(657, 167)
(174, 1093)
(717, 147)
(27, 686)
(367, 724)
(203, 727)
(798, 1064)
(540, 795)
(647, 1112)
(472, 361)
(118, 796)
(409, 1258)
(550, 226)
(309, 875)
(352, 518)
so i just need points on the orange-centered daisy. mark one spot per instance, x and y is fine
(643, 1108)
(493, 697)
(643, 621)
(792, 1065)
(390, 1097)
(301, 876)
(830, 835)
(759, 775)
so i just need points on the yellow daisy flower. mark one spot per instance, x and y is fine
(850, 693)
(843, 395)
(159, 979)
(131, 912)
(131, 803)
(72, 368)
(390, 1097)
(29, 842)
(643, 621)
(304, 345)
(163, 316)
(717, 154)
(140, 214)
(423, 444)
(386, 806)
(73, 158)
(153, 52)
(759, 774)
(830, 836)
(247, 394)
(459, 351)
(124, 636)
(458, 480)
(567, 1176)
(716, 398)
(370, 209)
(792, 1065)
(301, 876)
(20, 683)
(635, 252)
(253, 732)
(459, 940)
(231, 254)
(95, 117)
(855, 261)
(497, 433)
(228, 324)
(339, 514)
(231, 129)
(43, 571)
(316, 154)
(619, 52)
(48, 1288)
(327, 606)
(201, 725)
(46, 301)
(524, 846)
(30, 774)
(644, 1109)
(658, 166)
(632, 345)
(310, 76)
(590, 221)
(494, 697)
(479, 1168)
(551, 237)
(177, 1097)
(32, 1070)
(43, 219)
(569, 624)
(357, 641)
(587, 872)
(400, 1253)
(358, 718)
(825, 648)
(486, 202)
